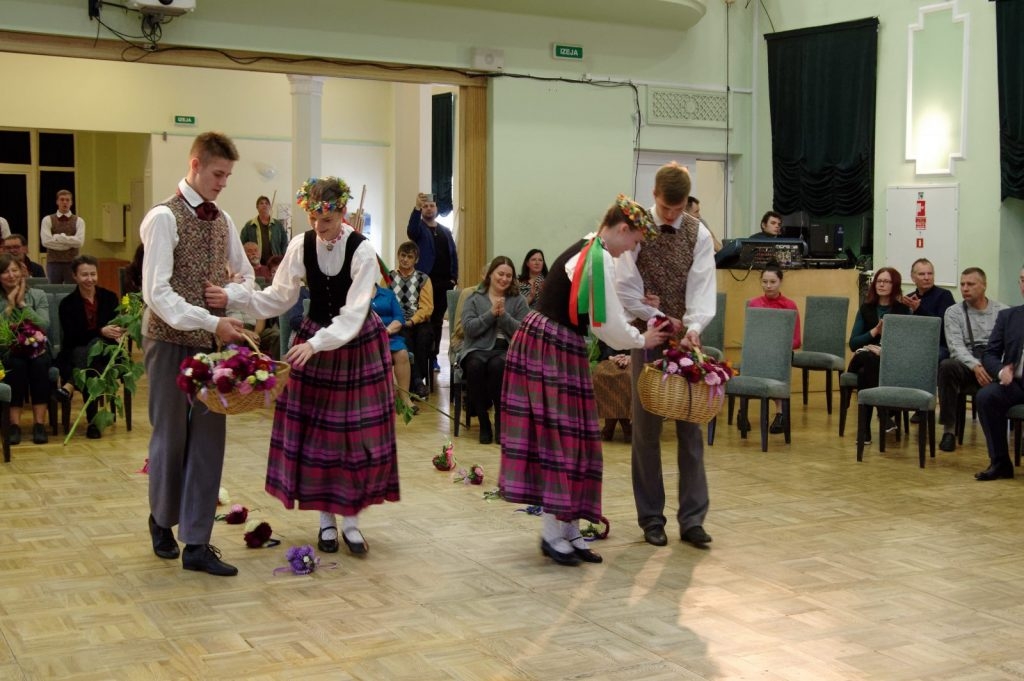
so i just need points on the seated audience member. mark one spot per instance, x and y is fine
(968, 327)
(771, 226)
(269, 235)
(927, 299)
(491, 315)
(15, 246)
(28, 372)
(613, 391)
(252, 252)
(771, 284)
(883, 298)
(385, 304)
(1002, 360)
(5, 229)
(531, 276)
(85, 316)
(415, 294)
(133, 272)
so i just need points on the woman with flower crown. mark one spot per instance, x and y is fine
(551, 442)
(332, 448)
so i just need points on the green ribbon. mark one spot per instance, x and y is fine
(591, 293)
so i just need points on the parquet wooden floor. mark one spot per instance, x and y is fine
(822, 569)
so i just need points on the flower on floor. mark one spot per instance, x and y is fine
(223, 498)
(258, 533)
(473, 476)
(236, 516)
(445, 461)
(592, 531)
(301, 559)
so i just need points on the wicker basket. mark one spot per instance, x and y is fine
(235, 403)
(676, 398)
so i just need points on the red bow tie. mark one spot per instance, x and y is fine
(204, 211)
(63, 218)
(668, 229)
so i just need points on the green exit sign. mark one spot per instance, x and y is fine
(184, 120)
(567, 51)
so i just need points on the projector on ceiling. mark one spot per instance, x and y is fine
(171, 8)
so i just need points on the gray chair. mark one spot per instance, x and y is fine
(456, 388)
(847, 384)
(5, 419)
(906, 380)
(713, 338)
(35, 282)
(766, 356)
(824, 342)
(55, 288)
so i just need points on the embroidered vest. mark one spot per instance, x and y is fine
(69, 227)
(327, 294)
(201, 255)
(664, 266)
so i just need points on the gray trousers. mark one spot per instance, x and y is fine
(59, 273)
(648, 484)
(186, 450)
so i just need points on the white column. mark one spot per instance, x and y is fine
(307, 131)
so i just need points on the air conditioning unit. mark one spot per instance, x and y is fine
(171, 8)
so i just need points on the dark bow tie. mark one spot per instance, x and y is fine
(668, 229)
(204, 211)
(63, 218)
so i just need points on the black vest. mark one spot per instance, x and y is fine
(327, 294)
(554, 297)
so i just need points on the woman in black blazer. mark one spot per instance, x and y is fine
(85, 316)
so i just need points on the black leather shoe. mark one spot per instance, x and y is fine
(14, 435)
(778, 425)
(93, 433)
(357, 548)
(39, 435)
(206, 558)
(486, 434)
(696, 536)
(63, 394)
(327, 545)
(557, 556)
(588, 556)
(948, 442)
(655, 535)
(991, 473)
(164, 544)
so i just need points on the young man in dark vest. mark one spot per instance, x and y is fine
(188, 243)
(675, 279)
(63, 234)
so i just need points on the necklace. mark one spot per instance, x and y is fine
(330, 244)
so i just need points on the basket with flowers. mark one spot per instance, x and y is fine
(685, 385)
(233, 381)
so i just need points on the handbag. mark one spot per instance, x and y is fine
(977, 349)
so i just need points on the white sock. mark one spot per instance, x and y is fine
(553, 532)
(350, 526)
(329, 520)
(573, 536)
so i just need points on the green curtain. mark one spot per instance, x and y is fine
(821, 83)
(442, 151)
(1010, 60)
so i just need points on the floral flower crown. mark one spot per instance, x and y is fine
(638, 215)
(302, 196)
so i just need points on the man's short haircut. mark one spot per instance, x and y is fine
(64, 192)
(692, 201)
(211, 145)
(83, 259)
(19, 237)
(261, 198)
(920, 261)
(770, 214)
(672, 184)
(409, 247)
(975, 270)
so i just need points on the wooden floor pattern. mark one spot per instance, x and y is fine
(822, 569)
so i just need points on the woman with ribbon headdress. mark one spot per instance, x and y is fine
(551, 442)
(332, 448)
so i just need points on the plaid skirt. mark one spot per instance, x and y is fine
(333, 443)
(550, 442)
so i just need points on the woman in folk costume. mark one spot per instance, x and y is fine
(551, 445)
(332, 448)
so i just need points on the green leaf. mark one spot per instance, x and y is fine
(95, 351)
(103, 419)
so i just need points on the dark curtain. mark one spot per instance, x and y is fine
(821, 84)
(1010, 60)
(442, 151)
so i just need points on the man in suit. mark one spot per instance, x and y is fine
(1002, 359)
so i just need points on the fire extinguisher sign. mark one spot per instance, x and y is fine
(921, 218)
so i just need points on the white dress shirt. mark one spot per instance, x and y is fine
(283, 292)
(62, 242)
(616, 331)
(159, 232)
(701, 284)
